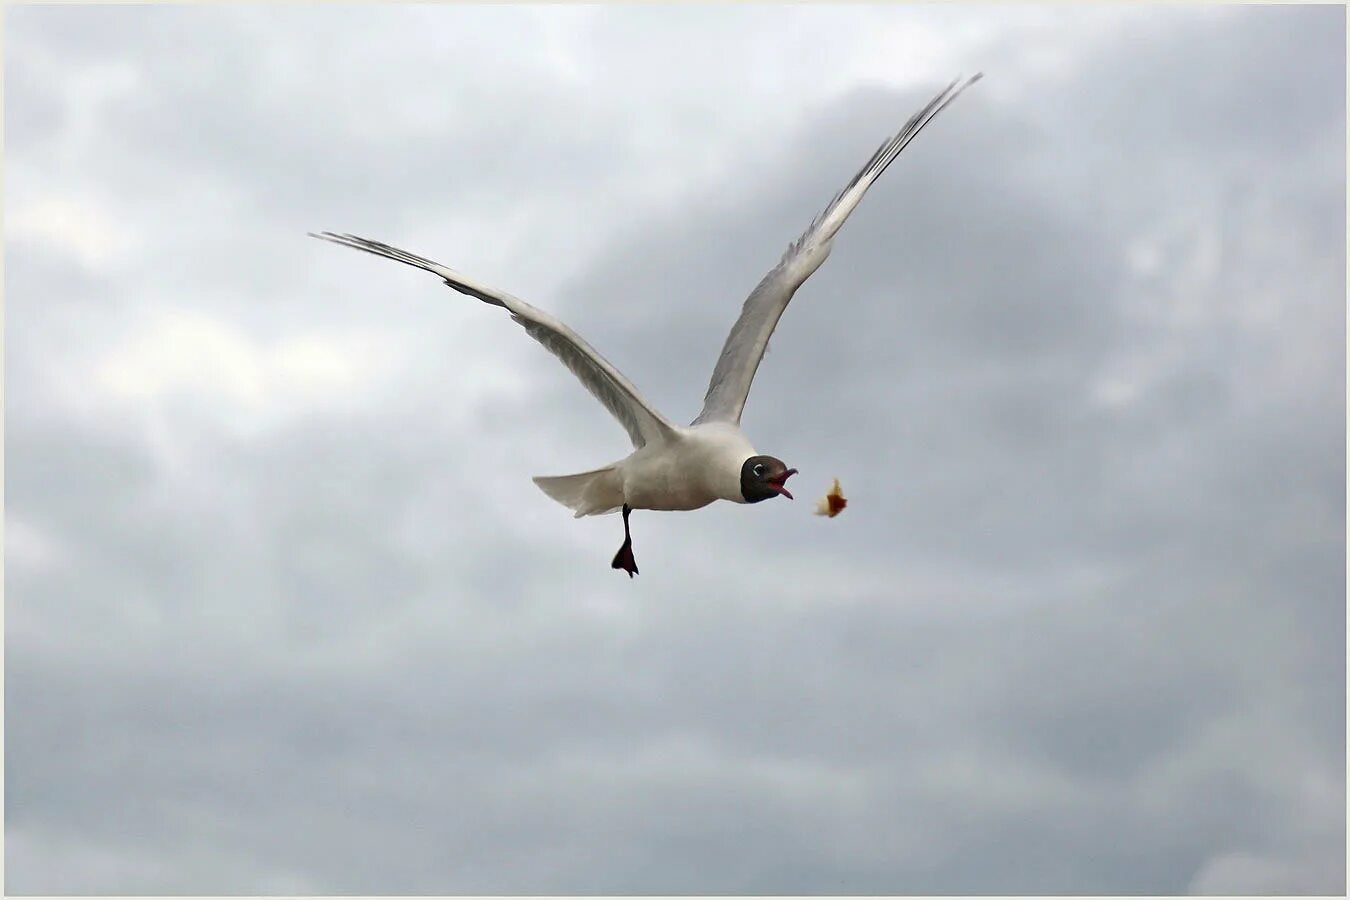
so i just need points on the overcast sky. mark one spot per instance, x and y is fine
(284, 612)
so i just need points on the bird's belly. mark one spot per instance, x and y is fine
(666, 484)
(666, 494)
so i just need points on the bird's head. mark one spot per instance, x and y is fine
(762, 477)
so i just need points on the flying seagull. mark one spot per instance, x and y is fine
(673, 467)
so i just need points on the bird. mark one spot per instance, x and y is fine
(675, 467)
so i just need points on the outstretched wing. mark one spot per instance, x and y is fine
(744, 349)
(643, 424)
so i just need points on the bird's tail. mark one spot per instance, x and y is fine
(591, 493)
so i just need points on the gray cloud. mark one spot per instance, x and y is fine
(286, 615)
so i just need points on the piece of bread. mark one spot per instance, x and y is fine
(833, 503)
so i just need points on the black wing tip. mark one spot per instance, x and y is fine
(920, 119)
(962, 85)
(347, 240)
(379, 248)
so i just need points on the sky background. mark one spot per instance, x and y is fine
(284, 612)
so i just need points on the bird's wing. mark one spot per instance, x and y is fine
(744, 349)
(644, 424)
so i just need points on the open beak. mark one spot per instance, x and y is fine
(777, 483)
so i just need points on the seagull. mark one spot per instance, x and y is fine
(673, 467)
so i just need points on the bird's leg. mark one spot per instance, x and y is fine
(624, 558)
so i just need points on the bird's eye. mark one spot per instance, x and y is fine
(759, 469)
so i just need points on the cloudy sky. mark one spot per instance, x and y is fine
(284, 612)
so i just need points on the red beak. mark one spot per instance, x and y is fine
(777, 483)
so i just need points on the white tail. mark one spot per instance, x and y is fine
(591, 493)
